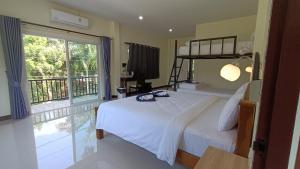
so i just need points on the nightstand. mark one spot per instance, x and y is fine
(214, 158)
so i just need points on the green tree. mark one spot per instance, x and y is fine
(82, 59)
(45, 57)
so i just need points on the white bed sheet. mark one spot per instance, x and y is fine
(209, 90)
(202, 132)
(143, 123)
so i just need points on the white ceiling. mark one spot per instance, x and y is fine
(160, 15)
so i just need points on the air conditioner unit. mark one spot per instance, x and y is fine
(69, 19)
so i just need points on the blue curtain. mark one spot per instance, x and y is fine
(106, 58)
(11, 36)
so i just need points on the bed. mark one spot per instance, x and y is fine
(179, 127)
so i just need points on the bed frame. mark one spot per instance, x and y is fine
(179, 59)
(244, 134)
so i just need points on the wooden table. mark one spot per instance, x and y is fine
(218, 159)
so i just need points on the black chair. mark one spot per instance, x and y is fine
(140, 87)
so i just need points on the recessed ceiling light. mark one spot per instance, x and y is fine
(141, 17)
(170, 30)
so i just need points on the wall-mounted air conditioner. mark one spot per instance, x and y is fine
(69, 19)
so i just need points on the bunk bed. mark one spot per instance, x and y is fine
(212, 48)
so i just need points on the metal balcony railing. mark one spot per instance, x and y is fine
(43, 90)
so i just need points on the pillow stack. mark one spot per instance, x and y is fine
(229, 114)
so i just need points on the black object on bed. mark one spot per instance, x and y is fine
(160, 93)
(146, 97)
(150, 97)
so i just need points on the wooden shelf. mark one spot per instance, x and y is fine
(214, 158)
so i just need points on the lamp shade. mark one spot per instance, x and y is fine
(230, 72)
(249, 69)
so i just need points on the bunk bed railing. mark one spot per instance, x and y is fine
(210, 55)
(174, 76)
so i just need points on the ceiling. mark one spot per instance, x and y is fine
(160, 15)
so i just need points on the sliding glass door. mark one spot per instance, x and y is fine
(60, 72)
(46, 68)
(83, 71)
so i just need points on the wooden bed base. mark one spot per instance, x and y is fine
(244, 135)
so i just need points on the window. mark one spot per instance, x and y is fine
(60, 69)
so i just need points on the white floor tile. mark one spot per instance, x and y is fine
(65, 139)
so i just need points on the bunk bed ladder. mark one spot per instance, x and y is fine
(174, 76)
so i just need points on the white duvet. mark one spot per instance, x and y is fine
(156, 126)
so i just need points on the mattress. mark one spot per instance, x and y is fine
(206, 89)
(202, 132)
(143, 123)
(216, 48)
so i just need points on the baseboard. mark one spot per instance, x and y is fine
(161, 87)
(7, 117)
(167, 86)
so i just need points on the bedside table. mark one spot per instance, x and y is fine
(214, 158)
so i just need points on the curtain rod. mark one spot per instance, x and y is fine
(61, 29)
(128, 43)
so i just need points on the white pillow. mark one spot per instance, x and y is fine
(228, 116)
(240, 93)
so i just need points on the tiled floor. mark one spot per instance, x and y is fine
(68, 141)
(59, 104)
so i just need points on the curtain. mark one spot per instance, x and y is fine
(143, 61)
(10, 30)
(153, 63)
(106, 59)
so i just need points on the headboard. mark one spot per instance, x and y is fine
(245, 126)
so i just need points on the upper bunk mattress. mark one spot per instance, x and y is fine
(215, 48)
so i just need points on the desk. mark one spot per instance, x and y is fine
(214, 158)
(125, 79)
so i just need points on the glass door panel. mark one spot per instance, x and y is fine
(83, 72)
(45, 60)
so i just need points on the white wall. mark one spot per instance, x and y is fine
(115, 62)
(208, 71)
(295, 141)
(129, 34)
(243, 27)
(38, 11)
(260, 45)
(262, 29)
(4, 96)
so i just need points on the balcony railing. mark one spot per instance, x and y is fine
(43, 90)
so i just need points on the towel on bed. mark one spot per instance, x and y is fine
(146, 97)
(161, 93)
